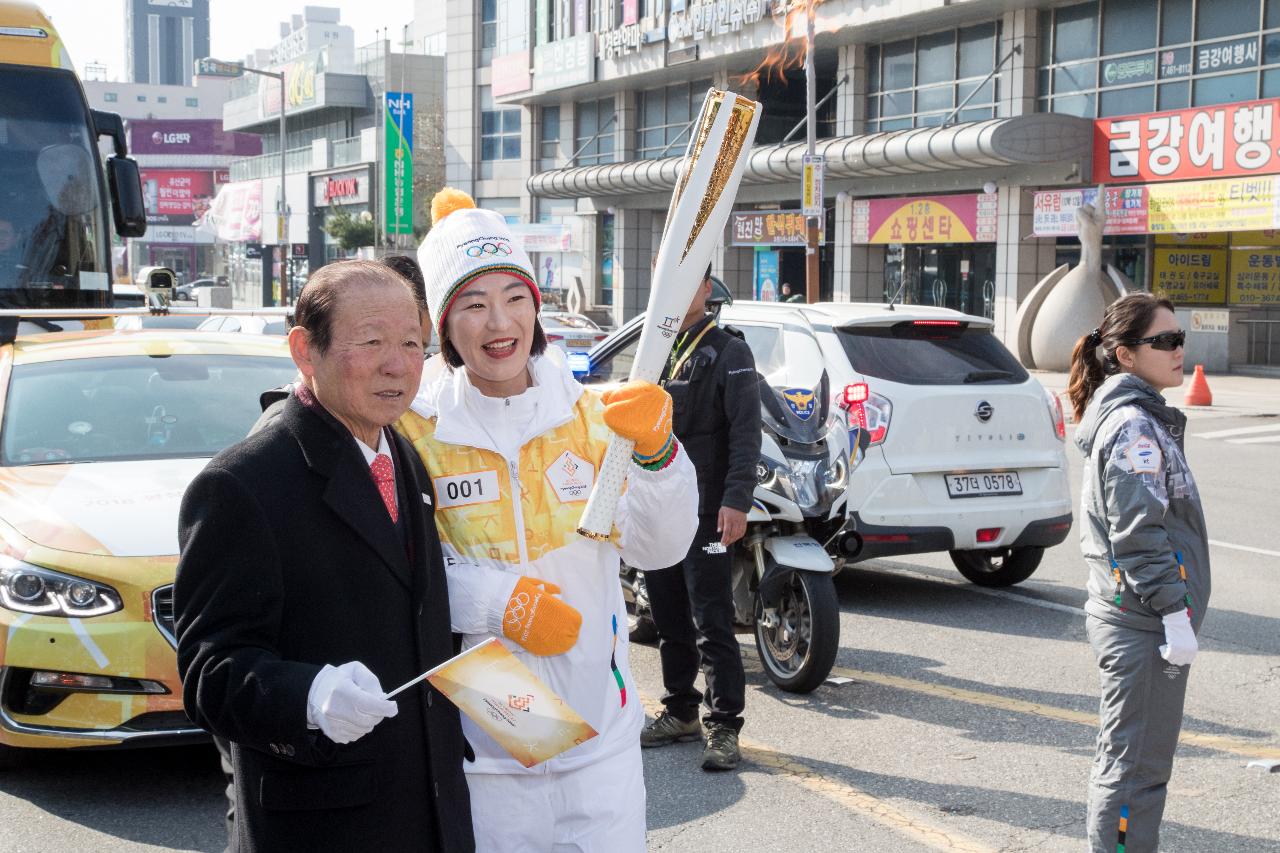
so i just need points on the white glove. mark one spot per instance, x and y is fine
(346, 702)
(1180, 645)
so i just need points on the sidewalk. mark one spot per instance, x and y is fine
(1233, 395)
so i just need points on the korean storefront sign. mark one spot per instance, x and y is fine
(769, 228)
(398, 156)
(547, 237)
(510, 74)
(701, 18)
(567, 62)
(1230, 204)
(1190, 276)
(926, 219)
(341, 188)
(1255, 277)
(811, 185)
(178, 197)
(1204, 142)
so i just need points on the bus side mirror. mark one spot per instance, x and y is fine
(126, 197)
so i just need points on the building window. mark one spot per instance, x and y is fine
(193, 102)
(593, 141)
(142, 99)
(666, 116)
(1119, 57)
(488, 30)
(110, 97)
(162, 99)
(549, 138)
(918, 82)
(499, 129)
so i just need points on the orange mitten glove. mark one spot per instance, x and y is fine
(539, 621)
(641, 412)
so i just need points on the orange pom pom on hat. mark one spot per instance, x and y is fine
(466, 242)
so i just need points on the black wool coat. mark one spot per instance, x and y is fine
(290, 561)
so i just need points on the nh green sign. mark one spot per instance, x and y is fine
(398, 157)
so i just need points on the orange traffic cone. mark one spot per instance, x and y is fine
(1198, 393)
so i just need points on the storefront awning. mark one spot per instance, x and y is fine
(1029, 139)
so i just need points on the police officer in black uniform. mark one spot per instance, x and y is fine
(711, 377)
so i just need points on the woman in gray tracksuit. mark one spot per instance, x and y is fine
(1143, 536)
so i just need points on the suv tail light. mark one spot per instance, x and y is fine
(867, 410)
(1055, 415)
(553, 338)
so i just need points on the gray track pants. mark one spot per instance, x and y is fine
(1141, 715)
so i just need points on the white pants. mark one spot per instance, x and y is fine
(596, 809)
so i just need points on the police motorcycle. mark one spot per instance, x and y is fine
(783, 587)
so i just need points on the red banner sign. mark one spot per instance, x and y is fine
(1204, 142)
(177, 197)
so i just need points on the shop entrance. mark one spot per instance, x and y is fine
(957, 276)
(960, 276)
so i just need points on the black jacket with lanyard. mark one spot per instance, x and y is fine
(711, 377)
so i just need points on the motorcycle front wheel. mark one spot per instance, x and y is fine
(797, 641)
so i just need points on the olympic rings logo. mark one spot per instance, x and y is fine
(499, 248)
(516, 609)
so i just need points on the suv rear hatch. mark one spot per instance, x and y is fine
(961, 401)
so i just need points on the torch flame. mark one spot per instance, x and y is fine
(790, 53)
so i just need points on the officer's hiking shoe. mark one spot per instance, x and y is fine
(668, 729)
(721, 751)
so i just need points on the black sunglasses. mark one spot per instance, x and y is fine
(1165, 341)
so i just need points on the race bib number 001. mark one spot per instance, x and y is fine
(478, 487)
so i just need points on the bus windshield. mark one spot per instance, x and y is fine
(54, 245)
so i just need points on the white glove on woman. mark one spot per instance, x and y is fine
(346, 702)
(1180, 645)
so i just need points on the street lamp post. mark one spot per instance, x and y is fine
(210, 67)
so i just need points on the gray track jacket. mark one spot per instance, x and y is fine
(1140, 509)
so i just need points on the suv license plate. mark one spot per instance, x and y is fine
(984, 484)
(579, 343)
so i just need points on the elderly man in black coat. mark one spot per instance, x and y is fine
(311, 580)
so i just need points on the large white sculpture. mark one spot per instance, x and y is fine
(1069, 301)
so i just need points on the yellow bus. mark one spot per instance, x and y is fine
(56, 193)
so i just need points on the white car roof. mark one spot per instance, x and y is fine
(878, 313)
(743, 311)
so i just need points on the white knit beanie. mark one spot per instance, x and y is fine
(465, 243)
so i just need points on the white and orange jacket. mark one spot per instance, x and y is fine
(511, 479)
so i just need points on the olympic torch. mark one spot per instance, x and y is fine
(700, 205)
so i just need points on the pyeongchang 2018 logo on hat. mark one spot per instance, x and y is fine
(486, 247)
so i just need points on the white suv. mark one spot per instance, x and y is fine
(967, 450)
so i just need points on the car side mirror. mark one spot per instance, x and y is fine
(127, 208)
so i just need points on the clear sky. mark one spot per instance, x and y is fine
(93, 30)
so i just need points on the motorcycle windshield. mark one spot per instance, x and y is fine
(795, 395)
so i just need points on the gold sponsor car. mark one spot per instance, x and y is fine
(100, 433)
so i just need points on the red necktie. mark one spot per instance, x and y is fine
(385, 478)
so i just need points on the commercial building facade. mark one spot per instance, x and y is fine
(957, 139)
(364, 139)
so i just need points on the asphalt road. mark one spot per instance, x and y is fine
(966, 722)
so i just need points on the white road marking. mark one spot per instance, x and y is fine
(994, 593)
(1263, 551)
(1224, 433)
(1266, 439)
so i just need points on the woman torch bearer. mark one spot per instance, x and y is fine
(515, 447)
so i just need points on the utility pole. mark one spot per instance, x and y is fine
(811, 271)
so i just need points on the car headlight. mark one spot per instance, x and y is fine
(25, 588)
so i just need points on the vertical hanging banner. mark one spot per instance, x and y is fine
(811, 190)
(398, 157)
